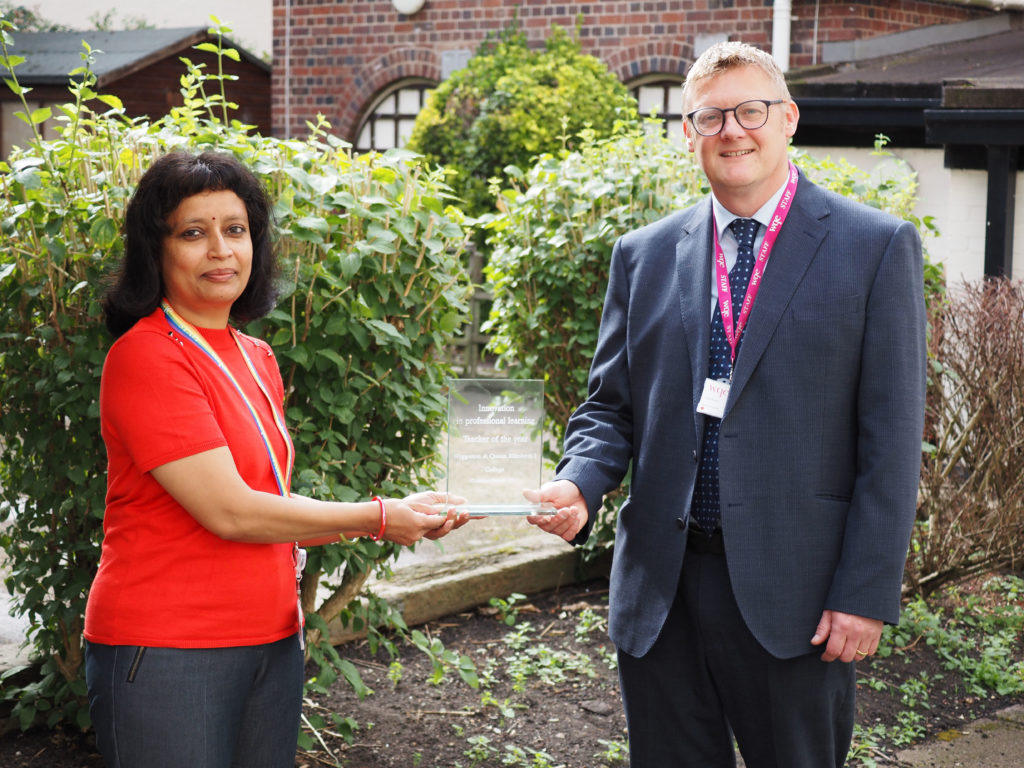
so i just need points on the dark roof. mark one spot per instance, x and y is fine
(903, 94)
(993, 62)
(50, 56)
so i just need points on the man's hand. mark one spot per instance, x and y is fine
(571, 508)
(850, 638)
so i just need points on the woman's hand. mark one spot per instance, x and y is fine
(428, 515)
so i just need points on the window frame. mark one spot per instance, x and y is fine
(396, 119)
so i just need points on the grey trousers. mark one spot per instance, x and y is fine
(707, 679)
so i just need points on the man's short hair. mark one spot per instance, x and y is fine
(722, 57)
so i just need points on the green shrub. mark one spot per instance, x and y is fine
(511, 104)
(552, 242)
(375, 291)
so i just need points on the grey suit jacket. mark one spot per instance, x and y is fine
(820, 444)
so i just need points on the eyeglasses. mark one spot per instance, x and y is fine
(709, 121)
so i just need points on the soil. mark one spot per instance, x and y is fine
(552, 700)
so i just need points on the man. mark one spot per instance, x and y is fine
(775, 454)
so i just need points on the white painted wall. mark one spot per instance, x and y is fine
(956, 199)
(250, 20)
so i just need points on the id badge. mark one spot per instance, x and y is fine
(712, 399)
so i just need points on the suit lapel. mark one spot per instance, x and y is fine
(794, 250)
(693, 267)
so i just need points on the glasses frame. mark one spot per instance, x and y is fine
(768, 103)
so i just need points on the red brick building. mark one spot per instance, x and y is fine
(346, 58)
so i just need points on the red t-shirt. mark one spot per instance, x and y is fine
(165, 580)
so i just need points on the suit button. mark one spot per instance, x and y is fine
(681, 523)
(694, 455)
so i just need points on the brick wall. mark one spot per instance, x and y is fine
(342, 53)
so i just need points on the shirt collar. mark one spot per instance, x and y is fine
(724, 217)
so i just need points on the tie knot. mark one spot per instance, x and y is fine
(744, 230)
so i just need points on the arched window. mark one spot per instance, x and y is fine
(388, 122)
(661, 95)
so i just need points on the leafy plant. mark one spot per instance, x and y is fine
(504, 707)
(588, 621)
(395, 672)
(974, 637)
(506, 610)
(480, 749)
(374, 292)
(525, 757)
(60, 228)
(615, 751)
(444, 658)
(317, 722)
(866, 749)
(511, 103)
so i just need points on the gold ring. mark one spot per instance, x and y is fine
(861, 653)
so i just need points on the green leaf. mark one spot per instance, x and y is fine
(351, 675)
(331, 355)
(388, 332)
(298, 355)
(104, 232)
(16, 89)
(349, 263)
(111, 101)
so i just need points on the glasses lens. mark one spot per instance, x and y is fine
(708, 121)
(752, 114)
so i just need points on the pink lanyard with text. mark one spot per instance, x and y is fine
(733, 332)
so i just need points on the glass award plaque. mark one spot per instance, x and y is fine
(495, 444)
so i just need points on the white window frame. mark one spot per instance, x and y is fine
(668, 106)
(388, 122)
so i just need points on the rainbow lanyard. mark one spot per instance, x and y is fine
(186, 329)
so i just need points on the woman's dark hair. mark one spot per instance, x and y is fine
(138, 286)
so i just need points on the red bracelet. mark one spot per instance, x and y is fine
(383, 519)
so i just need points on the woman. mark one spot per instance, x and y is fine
(193, 626)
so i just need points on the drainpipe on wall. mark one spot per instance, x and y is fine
(781, 21)
(287, 69)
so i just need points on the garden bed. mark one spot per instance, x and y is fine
(548, 693)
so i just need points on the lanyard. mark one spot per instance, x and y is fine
(186, 329)
(733, 332)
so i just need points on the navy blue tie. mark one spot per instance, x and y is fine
(706, 502)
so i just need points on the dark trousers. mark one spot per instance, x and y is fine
(707, 679)
(196, 707)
